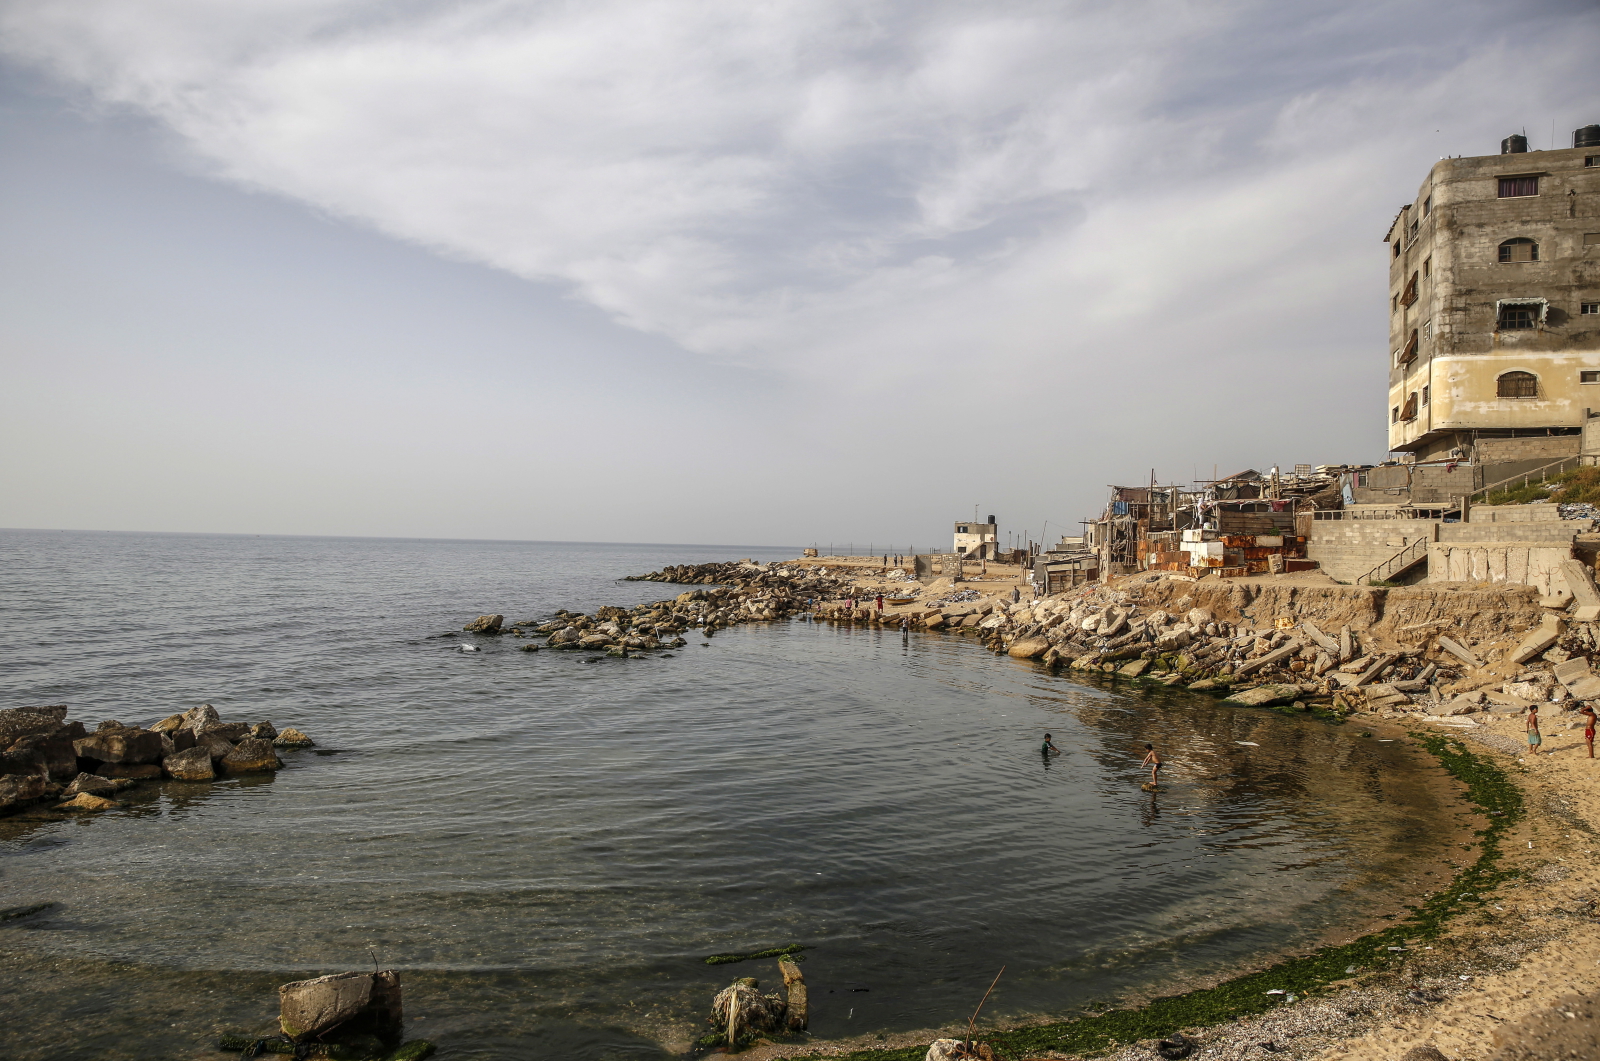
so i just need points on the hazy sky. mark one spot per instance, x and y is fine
(782, 272)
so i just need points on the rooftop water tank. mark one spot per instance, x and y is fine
(1515, 144)
(1588, 136)
(991, 519)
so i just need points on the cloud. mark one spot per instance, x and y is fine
(876, 191)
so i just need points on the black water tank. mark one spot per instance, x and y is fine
(1514, 145)
(1588, 136)
(991, 519)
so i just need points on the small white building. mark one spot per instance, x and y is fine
(977, 540)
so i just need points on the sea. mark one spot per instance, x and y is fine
(547, 845)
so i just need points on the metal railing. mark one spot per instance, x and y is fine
(1411, 554)
(1543, 472)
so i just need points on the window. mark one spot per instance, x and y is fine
(1394, 413)
(1394, 304)
(1414, 226)
(1425, 391)
(1409, 354)
(1427, 329)
(1427, 266)
(1591, 238)
(1517, 385)
(1519, 250)
(1397, 248)
(1410, 294)
(1591, 160)
(1518, 314)
(1589, 309)
(1427, 206)
(1516, 187)
(1410, 411)
(1589, 377)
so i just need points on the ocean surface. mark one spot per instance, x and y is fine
(547, 844)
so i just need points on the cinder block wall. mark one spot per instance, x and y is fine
(1346, 549)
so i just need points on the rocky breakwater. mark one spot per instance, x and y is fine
(48, 757)
(1437, 652)
(745, 592)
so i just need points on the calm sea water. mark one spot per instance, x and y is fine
(546, 844)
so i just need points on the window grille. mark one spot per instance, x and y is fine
(1517, 385)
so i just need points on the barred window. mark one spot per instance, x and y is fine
(1517, 385)
(1519, 250)
(1515, 187)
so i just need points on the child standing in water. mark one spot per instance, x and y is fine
(1049, 747)
(1153, 761)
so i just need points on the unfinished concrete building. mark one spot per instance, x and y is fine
(977, 541)
(1494, 309)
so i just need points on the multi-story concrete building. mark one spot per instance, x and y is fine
(1494, 300)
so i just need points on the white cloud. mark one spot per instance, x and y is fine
(867, 187)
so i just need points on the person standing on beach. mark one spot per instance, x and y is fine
(1587, 711)
(880, 605)
(1534, 738)
(1153, 761)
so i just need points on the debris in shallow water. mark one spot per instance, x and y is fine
(786, 951)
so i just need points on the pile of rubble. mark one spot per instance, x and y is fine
(47, 757)
(1475, 648)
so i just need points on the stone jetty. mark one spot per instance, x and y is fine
(744, 592)
(48, 757)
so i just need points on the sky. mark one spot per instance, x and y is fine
(694, 271)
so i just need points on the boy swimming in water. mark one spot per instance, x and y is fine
(1049, 747)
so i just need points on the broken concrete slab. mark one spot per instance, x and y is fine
(1580, 583)
(1538, 639)
(1288, 649)
(1460, 651)
(1324, 642)
(1262, 695)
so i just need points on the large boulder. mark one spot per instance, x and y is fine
(198, 718)
(84, 801)
(251, 756)
(485, 624)
(292, 738)
(264, 731)
(49, 753)
(214, 744)
(19, 722)
(18, 790)
(93, 784)
(1029, 648)
(367, 1002)
(229, 731)
(123, 744)
(169, 724)
(192, 765)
